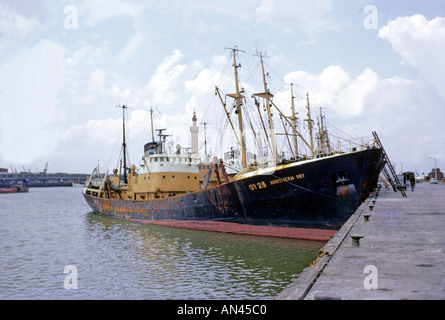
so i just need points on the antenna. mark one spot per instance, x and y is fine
(162, 138)
(234, 49)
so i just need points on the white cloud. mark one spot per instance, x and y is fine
(420, 43)
(334, 89)
(80, 83)
(101, 140)
(175, 90)
(92, 12)
(77, 55)
(97, 80)
(131, 47)
(307, 15)
(413, 110)
(202, 86)
(407, 114)
(163, 83)
(99, 132)
(15, 25)
(394, 107)
(30, 119)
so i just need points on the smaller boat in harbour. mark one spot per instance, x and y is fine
(14, 189)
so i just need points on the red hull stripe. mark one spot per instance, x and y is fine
(229, 227)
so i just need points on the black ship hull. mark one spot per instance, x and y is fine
(307, 200)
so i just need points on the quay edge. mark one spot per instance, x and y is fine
(300, 287)
(402, 241)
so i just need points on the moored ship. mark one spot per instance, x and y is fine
(304, 197)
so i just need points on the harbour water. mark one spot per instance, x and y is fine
(51, 230)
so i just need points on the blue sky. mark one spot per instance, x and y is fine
(65, 65)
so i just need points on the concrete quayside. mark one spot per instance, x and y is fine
(391, 248)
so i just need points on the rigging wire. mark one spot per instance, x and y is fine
(253, 121)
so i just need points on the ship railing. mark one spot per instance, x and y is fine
(89, 179)
(96, 182)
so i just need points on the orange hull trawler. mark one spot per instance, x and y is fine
(304, 197)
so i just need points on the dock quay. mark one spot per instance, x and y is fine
(34, 180)
(391, 248)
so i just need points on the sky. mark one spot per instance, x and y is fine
(65, 66)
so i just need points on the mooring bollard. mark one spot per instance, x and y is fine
(326, 296)
(356, 239)
(366, 217)
(371, 207)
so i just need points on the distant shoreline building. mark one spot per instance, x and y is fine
(432, 174)
(40, 179)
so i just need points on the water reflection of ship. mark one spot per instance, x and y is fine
(308, 196)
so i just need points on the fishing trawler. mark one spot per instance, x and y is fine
(305, 197)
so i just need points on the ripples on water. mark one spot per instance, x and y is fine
(49, 228)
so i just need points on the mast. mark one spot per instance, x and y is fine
(206, 155)
(267, 96)
(124, 145)
(287, 120)
(294, 121)
(238, 96)
(324, 145)
(151, 119)
(262, 122)
(285, 133)
(310, 122)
